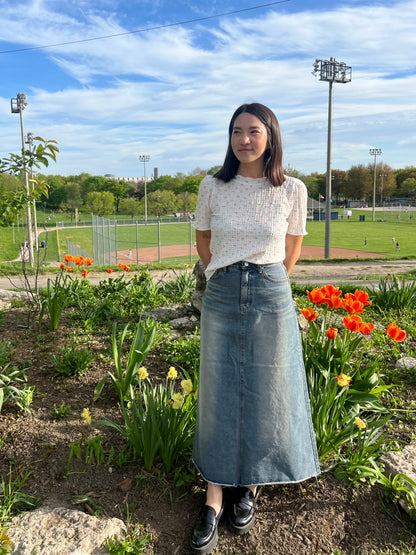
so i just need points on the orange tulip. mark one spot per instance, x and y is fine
(110, 270)
(366, 328)
(395, 332)
(353, 306)
(68, 258)
(85, 273)
(316, 296)
(332, 333)
(79, 260)
(335, 302)
(69, 268)
(62, 265)
(329, 290)
(88, 261)
(361, 296)
(353, 323)
(309, 313)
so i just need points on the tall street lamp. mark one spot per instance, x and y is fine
(29, 141)
(333, 72)
(382, 175)
(375, 152)
(144, 158)
(18, 104)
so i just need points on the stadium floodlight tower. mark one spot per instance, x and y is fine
(333, 72)
(374, 152)
(144, 158)
(18, 104)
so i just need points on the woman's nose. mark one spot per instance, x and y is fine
(244, 138)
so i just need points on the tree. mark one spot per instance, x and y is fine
(161, 202)
(130, 206)
(359, 183)
(15, 164)
(338, 187)
(186, 202)
(408, 187)
(100, 204)
(191, 184)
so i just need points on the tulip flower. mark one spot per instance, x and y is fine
(68, 258)
(353, 323)
(309, 313)
(332, 333)
(395, 332)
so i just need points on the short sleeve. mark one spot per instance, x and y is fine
(297, 217)
(203, 204)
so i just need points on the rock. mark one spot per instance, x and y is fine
(166, 313)
(7, 296)
(406, 363)
(187, 323)
(401, 462)
(48, 531)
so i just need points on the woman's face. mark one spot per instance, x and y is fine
(249, 139)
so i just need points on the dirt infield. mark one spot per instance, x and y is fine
(151, 254)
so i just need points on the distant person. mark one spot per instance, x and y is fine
(397, 246)
(365, 242)
(393, 240)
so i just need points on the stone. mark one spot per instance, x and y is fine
(406, 363)
(48, 531)
(402, 462)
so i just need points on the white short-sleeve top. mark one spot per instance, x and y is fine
(249, 218)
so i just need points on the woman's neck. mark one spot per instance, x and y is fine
(252, 170)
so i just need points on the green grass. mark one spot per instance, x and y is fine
(350, 234)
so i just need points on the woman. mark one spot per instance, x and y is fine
(253, 423)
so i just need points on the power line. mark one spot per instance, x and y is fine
(144, 30)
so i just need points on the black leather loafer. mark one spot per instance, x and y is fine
(204, 537)
(243, 513)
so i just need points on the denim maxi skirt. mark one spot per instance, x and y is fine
(253, 421)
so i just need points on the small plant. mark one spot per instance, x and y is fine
(12, 499)
(58, 413)
(10, 378)
(5, 353)
(396, 294)
(181, 288)
(134, 542)
(71, 361)
(6, 545)
(126, 375)
(184, 351)
(159, 423)
(57, 296)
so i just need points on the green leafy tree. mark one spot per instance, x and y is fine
(130, 206)
(408, 187)
(100, 204)
(359, 183)
(15, 164)
(186, 202)
(161, 202)
(191, 184)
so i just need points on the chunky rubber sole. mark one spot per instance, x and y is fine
(239, 530)
(207, 548)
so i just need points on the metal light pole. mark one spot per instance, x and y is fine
(382, 175)
(375, 152)
(18, 104)
(144, 158)
(333, 72)
(29, 141)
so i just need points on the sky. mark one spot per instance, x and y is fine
(168, 77)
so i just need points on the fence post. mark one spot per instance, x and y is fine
(158, 239)
(190, 240)
(115, 240)
(137, 242)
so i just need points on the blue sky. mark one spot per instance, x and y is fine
(170, 92)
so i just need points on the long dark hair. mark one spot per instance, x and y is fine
(273, 156)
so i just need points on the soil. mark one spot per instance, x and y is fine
(318, 517)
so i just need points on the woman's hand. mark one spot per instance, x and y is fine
(293, 246)
(203, 242)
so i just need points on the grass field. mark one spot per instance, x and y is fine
(348, 234)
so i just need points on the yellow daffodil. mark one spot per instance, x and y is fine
(86, 415)
(143, 374)
(361, 425)
(177, 399)
(172, 374)
(343, 380)
(187, 386)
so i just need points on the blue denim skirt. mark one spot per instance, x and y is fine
(253, 421)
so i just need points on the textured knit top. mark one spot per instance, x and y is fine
(249, 218)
